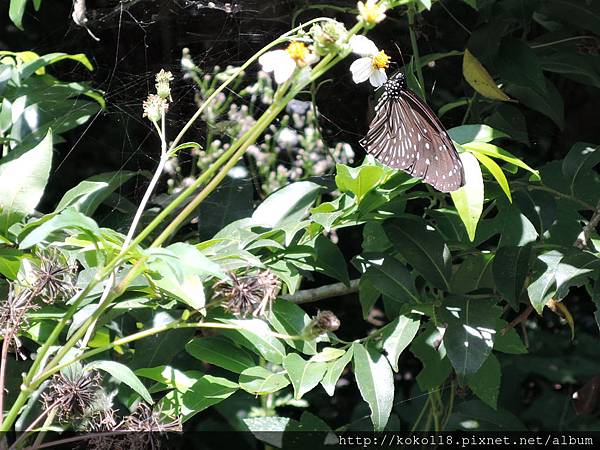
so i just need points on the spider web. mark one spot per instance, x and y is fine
(127, 58)
(137, 39)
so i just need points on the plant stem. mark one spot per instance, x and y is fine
(164, 156)
(322, 292)
(5, 344)
(415, 48)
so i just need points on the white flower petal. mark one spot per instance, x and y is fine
(361, 69)
(363, 46)
(284, 69)
(271, 60)
(378, 77)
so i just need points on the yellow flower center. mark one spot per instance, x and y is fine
(298, 51)
(381, 60)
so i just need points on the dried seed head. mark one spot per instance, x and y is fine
(54, 277)
(144, 419)
(250, 294)
(323, 322)
(72, 392)
(13, 315)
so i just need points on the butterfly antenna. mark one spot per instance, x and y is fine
(400, 53)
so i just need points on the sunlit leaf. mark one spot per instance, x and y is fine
(480, 79)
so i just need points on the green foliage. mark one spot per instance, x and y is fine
(188, 318)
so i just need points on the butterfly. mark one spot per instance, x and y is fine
(406, 134)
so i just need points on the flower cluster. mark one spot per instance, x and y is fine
(156, 105)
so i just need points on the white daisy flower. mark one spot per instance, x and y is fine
(283, 63)
(373, 63)
(370, 13)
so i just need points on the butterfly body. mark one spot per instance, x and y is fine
(407, 135)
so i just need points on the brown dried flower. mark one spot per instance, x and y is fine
(250, 294)
(54, 277)
(323, 322)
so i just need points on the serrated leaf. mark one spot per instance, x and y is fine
(358, 180)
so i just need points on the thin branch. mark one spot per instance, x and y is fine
(583, 238)
(323, 292)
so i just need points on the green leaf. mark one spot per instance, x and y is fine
(423, 248)
(52, 58)
(544, 279)
(388, 276)
(517, 229)
(220, 352)
(260, 381)
(428, 346)
(498, 153)
(289, 318)
(485, 383)
(334, 371)
(508, 342)
(88, 195)
(596, 300)
(580, 160)
(67, 219)
(10, 262)
(582, 14)
(287, 205)
(470, 333)
(574, 270)
(474, 133)
(510, 269)
(581, 68)
(170, 377)
(161, 348)
(124, 374)
(550, 104)
(270, 430)
(397, 335)
(206, 392)
(328, 354)
(468, 200)
(474, 273)
(330, 260)
(16, 11)
(509, 119)
(367, 295)
(255, 335)
(375, 381)
(230, 201)
(519, 65)
(358, 180)
(496, 172)
(23, 177)
(305, 375)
